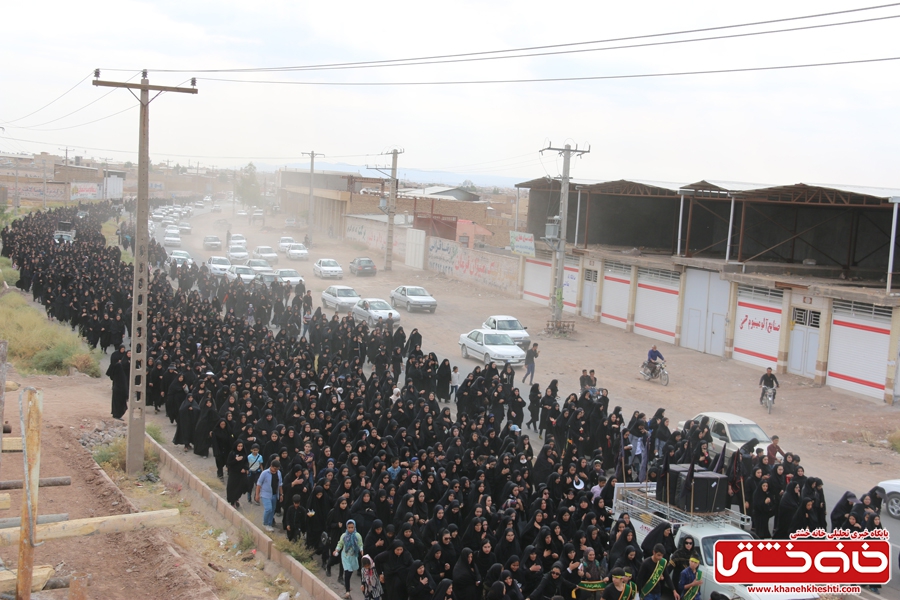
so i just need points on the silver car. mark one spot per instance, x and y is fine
(341, 297)
(328, 267)
(297, 252)
(290, 276)
(259, 264)
(491, 346)
(238, 254)
(217, 265)
(413, 297)
(267, 253)
(212, 242)
(245, 274)
(372, 309)
(511, 327)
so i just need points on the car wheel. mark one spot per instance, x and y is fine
(393, 302)
(487, 358)
(465, 351)
(409, 307)
(432, 310)
(893, 505)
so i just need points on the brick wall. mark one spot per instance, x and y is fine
(373, 234)
(484, 269)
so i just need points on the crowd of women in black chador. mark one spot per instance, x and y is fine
(247, 371)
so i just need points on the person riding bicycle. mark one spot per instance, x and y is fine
(768, 380)
(654, 358)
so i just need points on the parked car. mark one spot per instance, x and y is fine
(185, 228)
(511, 327)
(266, 278)
(290, 223)
(238, 239)
(212, 242)
(259, 264)
(341, 297)
(328, 268)
(216, 208)
(180, 257)
(245, 274)
(217, 265)
(297, 252)
(733, 431)
(267, 253)
(413, 297)
(238, 254)
(891, 497)
(363, 266)
(172, 239)
(284, 243)
(291, 276)
(491, 345)
(372, 309)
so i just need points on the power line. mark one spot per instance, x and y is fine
(521, 49)
(52, 101)
(550, 79)
(89, 122)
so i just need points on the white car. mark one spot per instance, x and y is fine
(238, 254)
(371, 310)
(212, 242)
(267, 253)
(732, 431)
(297, 252)
(511, 327)
(289, 275)
(341, 297)
(238, 240)
(246, 274)
(259, 264)
(891, 497)
(328, 268)
(413, 297)
(217, 265)
(491, 345)
(172, 239)
(181, 257)
(242, 213)
(172, 230)
(284, 243)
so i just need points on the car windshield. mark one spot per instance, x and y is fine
(708, 544)
(237, 237)
(238, 250)
(379, 305)
(365, 261)
(298, 247)
(243, 270)
(497, 339)
(218, 261)
(744, 432)
(288, 273)
(347, 293)
(257, 262)
(509, 325)
(211, 238)
(180, 253)
(416, 291)
(265, 250)
(287, 240)
(328, 263)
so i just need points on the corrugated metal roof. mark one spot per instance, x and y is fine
(877, 192)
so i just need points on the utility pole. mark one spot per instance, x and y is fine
(16, 205)
(44, 174)
(556, 298)
(312, 172)
(134, 453)
(68, 187)
(392, 210)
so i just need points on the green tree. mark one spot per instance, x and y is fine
(248, 186)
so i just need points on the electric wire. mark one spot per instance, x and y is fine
(526, 48)
(51, 102)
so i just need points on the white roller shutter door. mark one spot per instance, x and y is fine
(858, 352)
(616, 287)
(757, 326)
(537, 281)
(656, 305)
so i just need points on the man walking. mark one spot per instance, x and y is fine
(269, 492)
(530, 355)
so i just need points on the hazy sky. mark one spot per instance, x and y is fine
(833, 124)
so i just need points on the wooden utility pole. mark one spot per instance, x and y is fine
(31, 406)
(137, 397)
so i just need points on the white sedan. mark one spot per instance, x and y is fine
(291, 276)
(491, 346)
(172, 239)
(341, 297)
(246, 274)
(180, 257)
(328, 268)
(297, 252)
(266, 253)
(259, 264)
(217, 265)
(238, 254)
(891, 497)
(413, 297)
(372, 309)
(238, 239)
(284, 243)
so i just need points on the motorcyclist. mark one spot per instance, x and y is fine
(654, 358)
(768, 380)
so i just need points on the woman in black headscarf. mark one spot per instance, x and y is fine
(445, 591)
(203, 432)
(466, 577)
(787, 507)
(687, 549)
(188, 414)
(419, 584)
(316, 511)
(762, 509)
(444, 374)
(237, 474)
(508, 545)
(395, 564)
(222, 441)
(661, 534)
(804, 517)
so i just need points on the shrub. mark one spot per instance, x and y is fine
(154, 431)
(112, 456)
(246, 542)
(894, 440)
(298, 550)
(10, 275)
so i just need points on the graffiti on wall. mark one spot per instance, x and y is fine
(36, 190)
(500, 273)
(374, 235)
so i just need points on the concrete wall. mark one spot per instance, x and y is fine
(374, 235)
(490, 271)
(303, 577)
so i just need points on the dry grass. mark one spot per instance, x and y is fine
(894, 440)
(298, 550)
(111, 457)
(37, 345)
(10, 275)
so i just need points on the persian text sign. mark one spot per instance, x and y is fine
(85, 191)
(521, 243)
(834, 561)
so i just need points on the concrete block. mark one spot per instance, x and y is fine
(221, 507)
(274, 554)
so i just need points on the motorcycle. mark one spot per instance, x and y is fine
(769, 397)
(654, 371)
